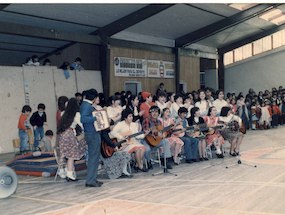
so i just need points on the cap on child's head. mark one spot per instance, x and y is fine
(49, 133)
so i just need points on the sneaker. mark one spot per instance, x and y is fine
(62, 173)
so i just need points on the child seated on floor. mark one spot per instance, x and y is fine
(45, 143)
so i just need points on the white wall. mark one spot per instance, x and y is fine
(43, 85)
(259, 73)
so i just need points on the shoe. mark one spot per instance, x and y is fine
(237, 153)
(126, 176)
(100, 182)
(97, 184)
(220, 155)
(70, 179)
(168, 166)
(233, 154)
(188, 161)
(201, 159)
(205, 158)
(149, 165)
(143, 169)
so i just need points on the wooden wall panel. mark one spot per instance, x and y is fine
(190, 72)
(148, 84)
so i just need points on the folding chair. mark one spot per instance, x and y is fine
(155, 157)
(59, 160)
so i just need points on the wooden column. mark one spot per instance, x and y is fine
(221, 72)
(105, 68)
(177, 69)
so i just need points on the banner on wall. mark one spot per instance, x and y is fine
(130, 67)
(169, 70)
(155, 69)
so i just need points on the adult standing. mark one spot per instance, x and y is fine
(92, 137)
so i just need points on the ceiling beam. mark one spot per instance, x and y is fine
(20, 50)
(226, 23)
(25, 30)
(250, 39)
(51, 19)
(3, 6)
(121, 24)
(131, 19)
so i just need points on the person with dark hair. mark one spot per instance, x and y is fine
(196, 120)
(220, 101)
(114, 111)
(37, 120)
(190, 143)
(161, 101)
(203, 104)
(234, 136)
(47, 62)
(61, 104)
(178, 103)
(23, 126)
(92, 137)
(45, 143)
(132, 104)
(121, 131)
(70, 147)
(151, 127)
(215, 138)
(76, 65)
(33, 61)
(78, 96)
(161, 89)
(175, 142)
(147, 104)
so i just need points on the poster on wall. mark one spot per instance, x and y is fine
(169, 70)
(130, 67)
(155, 69)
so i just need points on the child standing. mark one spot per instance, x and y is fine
(37, 120)
(275, 114)
(23, 126)
(45, 144)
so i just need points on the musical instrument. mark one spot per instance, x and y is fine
(204, 129)
(107, 151)
(102, 121)
(153, 138)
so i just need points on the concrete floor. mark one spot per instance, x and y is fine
(201, 188)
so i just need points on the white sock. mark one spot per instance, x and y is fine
(218, 151)
(125, 171)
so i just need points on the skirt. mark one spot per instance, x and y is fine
(69, 146)
(115, 164)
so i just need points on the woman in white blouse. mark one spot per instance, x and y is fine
(203, 104)
(114, 111)
(122, 130)
(220, 101)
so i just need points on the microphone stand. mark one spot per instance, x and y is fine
(165, 170)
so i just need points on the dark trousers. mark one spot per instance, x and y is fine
(191, 150)
(93, 140)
